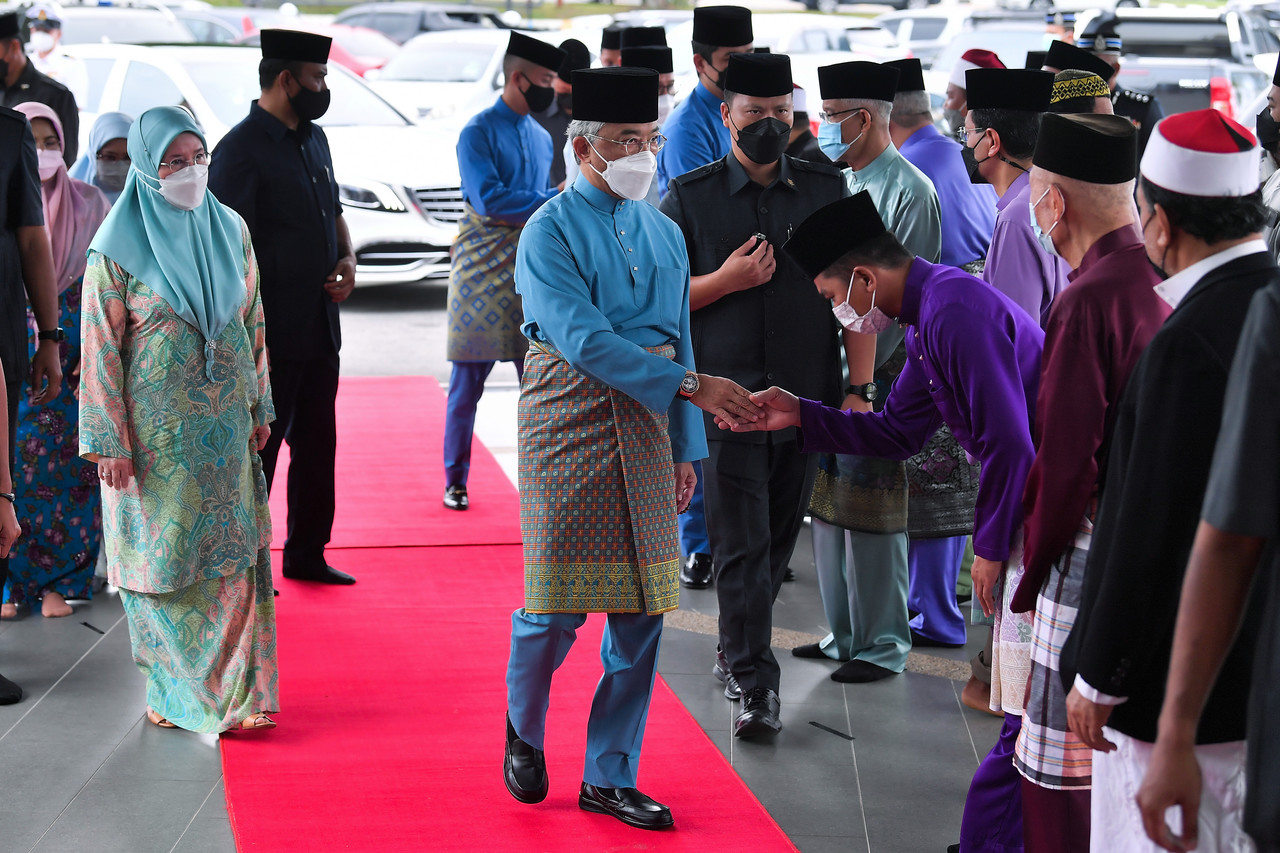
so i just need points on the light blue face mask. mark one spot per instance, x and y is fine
(1042, 237)
(830, 137)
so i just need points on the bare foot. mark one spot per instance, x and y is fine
(53, 605)
(8, 611)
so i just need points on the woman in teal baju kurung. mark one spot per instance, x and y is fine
(175, 402)
(59, 511)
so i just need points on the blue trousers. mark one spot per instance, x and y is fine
(615, 729)
(693, 523)
(934, 565)
(862, 578)
(466, 384)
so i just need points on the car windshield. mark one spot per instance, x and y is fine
(869, 37)
(124, 26)
(440, 63)
(230, 86)
(1185, 38)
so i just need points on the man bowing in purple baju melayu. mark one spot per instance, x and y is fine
(973, 363)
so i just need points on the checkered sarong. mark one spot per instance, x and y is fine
(597, 495)
(1047, 753)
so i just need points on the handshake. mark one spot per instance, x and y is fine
(737, 409)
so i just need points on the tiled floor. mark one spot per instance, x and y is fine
(81, 771)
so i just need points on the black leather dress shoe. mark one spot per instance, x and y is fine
(524, 769)
(627, 805)
(696, 572)
(10, 693)
(324, 574)
(724, 675)
(761, 714)
(455, 497)
(789, 576)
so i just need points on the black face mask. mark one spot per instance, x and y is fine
(764, 141)
(538, 97)
(309, 104)
(565, 101)
(971, 163)
(1157, 268)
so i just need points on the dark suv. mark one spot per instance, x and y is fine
(402, 21)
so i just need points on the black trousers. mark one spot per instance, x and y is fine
(304, 393)
(756, 497)
(14, 391)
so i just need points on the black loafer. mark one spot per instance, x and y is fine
(724, 675)
(10, 693)
(627, 805)
(455, 497)
(761, 714)
(324, 574)
(696, 572)
(524, 769)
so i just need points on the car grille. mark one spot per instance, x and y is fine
(444, 204)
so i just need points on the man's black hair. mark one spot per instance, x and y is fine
(883, 251)
(269, 70)
(1018, 129)
(704, 50)
(1212, 220)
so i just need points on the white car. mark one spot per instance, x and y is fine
(398, 181)
(924, 32)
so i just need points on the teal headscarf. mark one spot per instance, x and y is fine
(194, 259)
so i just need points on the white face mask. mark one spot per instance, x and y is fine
(629, 176)
(42, 42)
(185, 190)
(49, 159)
(873, 322)
(666, 103)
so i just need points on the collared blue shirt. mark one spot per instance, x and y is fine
(696, 136)
(602, 279)
(968, 209)
(505, 159)
(905, 199)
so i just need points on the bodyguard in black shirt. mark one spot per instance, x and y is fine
(22, 83)
(757, 319)
(275, 170)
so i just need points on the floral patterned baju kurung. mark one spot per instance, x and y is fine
(187, 539)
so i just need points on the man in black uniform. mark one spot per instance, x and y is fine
(1101, 39)
(22, 83)
(24, 259)
(756, 319)
(555, 118)
(275, 170)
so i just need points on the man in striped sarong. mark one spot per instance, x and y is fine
(606, 442)
(1097, 329)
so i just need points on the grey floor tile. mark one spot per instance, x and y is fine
(138, 816)
(207, 835)
(703, 697)
(148, 752)
(829, 844)
(21, 828)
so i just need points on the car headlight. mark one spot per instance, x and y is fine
(371, 195)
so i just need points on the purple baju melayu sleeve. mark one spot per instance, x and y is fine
(1016, 265)
(973, 362)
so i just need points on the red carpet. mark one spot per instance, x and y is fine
(391, 473)
(393, 697)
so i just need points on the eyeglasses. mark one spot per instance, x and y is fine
(962, 133)
(177, 164)
(830, 118)
(669, 89)
(111, 158)
(634, 146)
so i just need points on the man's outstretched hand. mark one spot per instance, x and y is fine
(779, 409)
(726, 400)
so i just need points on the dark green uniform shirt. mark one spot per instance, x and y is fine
(778, 333)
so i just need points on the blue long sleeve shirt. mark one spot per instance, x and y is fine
(696, 136)
(505, 159)
(602, 279)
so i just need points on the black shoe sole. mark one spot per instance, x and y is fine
(688, 584)
(595, 808)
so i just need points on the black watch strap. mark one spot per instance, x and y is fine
(868, 392)
(55, 334)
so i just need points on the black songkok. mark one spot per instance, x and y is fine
(539, 52)
(11, 26)
(1065, 57)
(833, 231)
(762, 75)
(1096, 149)
(611, 38)
(862, 80)
(643, 37)
(295, 46)
(722, 26)
(615, 95)
(910, 74)
(576, 56)
(1008, 89)
(656, 58)
(1035, 60)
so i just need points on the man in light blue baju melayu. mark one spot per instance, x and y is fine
(607, 436)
